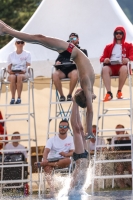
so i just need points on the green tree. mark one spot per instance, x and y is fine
(127, 7)
(16, 14)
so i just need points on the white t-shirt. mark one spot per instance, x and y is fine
(57, 145)
(17, 149)
(116, 53)
(100, 141)
(19, 61)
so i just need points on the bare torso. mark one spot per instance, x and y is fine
(84, 66)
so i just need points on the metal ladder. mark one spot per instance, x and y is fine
(62, 110)
(102, 158)
(18, 117)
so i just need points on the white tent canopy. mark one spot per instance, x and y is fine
(93, 20)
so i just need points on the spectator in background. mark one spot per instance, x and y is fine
(122, 167)
(67, 71)
(2, 143)
(93, 140)
(18, 61)
(120, 126)
(57, 152)
(15, 147)
(115, 58)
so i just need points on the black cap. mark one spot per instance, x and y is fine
(74, 34)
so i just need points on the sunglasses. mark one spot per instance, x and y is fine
(71, 39)
(20, 42)
(118, 33)
(63, 126)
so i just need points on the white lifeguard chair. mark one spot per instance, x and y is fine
(62, 110)
(103, 158)
(18, 117)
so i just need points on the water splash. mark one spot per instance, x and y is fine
(83, 181)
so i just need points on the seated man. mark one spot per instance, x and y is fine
(122, 167)
(60, 147)
(93, 141)
(15, 147)
(67, 71)
(115, 58)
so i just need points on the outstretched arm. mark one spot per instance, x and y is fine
(88, 91)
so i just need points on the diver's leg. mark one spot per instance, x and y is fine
(78, 142)
(51, 43)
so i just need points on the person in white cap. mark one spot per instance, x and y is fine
(18, 61)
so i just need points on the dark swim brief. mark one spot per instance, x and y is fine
(78, 156)
(66, 70)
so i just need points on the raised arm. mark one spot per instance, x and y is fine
(87, 87)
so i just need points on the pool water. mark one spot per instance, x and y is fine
(113, 195)
(62, 183)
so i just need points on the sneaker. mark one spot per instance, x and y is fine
(108, 97)
(18, 101)
(12, 101)
(62, 98)
(119, 95)
(69, 97)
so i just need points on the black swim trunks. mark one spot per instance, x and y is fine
(78, 156)
(64, 57)
(66, 69)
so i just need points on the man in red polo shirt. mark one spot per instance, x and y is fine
(115, 58)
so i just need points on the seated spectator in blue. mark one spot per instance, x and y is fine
(18, 61)
(14, 146)
(67, 70)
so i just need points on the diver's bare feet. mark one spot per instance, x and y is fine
(2, 26)
(90, 136)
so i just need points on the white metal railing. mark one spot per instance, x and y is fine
(29, 114)
(104, 114)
